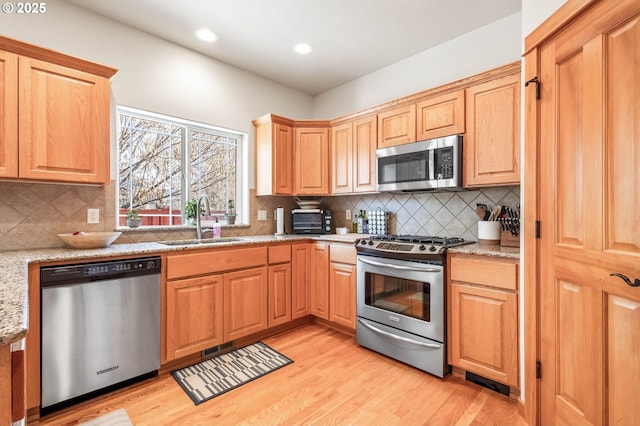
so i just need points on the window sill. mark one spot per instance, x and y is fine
(176, 228)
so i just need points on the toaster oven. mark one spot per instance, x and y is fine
(311, 221)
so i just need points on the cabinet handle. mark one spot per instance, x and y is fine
(636, 283)
(399, 338)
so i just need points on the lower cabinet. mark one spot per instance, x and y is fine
(194, 315)
(483, 316)
(342, 285)
(245, 307)
(319, 280)
(279, 308)
(300, 274)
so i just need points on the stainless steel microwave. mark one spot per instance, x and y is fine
(430, 165)
(311, 221)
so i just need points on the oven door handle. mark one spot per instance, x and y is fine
(404, 268)
(400, 338)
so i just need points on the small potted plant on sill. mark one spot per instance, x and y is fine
(133, 219)
(230, 214)
(190, 210)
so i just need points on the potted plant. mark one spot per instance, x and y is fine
(133, 219)
(230, 214)
(190, 210)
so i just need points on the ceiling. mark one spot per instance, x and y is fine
(350, 38)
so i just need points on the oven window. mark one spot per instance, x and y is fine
(398, 295)
(399, 168)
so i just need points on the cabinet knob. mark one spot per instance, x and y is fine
(636, 283)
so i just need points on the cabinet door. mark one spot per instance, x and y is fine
(8, 115)
(397, 126)
(312, 161)
(319, 280)
(194, 315)
(365, 139)
(274, 158)
(342, 294)
(64, 123)
(245, 302)
(300, 286)
(484, 332)
(491, 154)
(342, 155)
(279, 294)
(441, 116)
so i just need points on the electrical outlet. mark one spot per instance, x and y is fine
(262, 215)
(348, 214)
(93, 215)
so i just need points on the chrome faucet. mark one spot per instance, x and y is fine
(207, 211)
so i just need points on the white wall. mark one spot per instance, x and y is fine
(488, 47)
(535, 12)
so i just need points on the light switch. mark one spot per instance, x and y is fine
(348, 214)
(262, 215)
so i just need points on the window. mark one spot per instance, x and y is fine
(165, 163)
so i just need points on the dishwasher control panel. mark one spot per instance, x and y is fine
(99, 270)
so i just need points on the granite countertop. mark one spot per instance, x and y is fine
(488, 250)
(14, 284)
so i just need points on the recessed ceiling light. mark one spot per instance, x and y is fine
(302, 48)
(206, 35)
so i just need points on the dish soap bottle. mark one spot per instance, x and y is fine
(217, 229)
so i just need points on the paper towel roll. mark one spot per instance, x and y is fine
(279, 221)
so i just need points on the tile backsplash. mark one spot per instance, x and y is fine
(32, 214)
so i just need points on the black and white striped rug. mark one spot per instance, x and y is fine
(218, 375)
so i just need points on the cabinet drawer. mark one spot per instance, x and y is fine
(185, 265)
(342, 254)
(279, 254)
(485, 271)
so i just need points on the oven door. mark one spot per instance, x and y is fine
(402, 294)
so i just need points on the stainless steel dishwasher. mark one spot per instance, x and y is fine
(100, 328)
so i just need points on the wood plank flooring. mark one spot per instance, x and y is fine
(332, 381)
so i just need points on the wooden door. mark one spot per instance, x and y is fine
(342, 294)
(282, 173)
(194, 315)
(397, 126)
(319, 280)
(589, 201)
(491, 154)
(440, 116)
(365, 140)
(312, 160)
(245, 302)
(64, 123)
(279, 294)
(8, 115)
(342, 154)
(300, 276)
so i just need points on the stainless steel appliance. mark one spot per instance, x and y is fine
(100, 327)
(430, 165)
(311, 221)
(400, 298)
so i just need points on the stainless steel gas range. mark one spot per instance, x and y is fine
(400, 298)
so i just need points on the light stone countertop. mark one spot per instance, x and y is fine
(14, 283)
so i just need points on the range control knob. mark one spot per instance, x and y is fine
(370, 242)
(363, 242)
(432, 248)
(422, 247)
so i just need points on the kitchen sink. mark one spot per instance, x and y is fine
(203, 241)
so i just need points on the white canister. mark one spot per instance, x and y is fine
(489, 232)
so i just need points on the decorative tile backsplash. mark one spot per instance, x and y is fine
(32, 214)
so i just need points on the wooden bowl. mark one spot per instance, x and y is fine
(89, 240)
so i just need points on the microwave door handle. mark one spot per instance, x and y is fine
(432, 164)
(400, 338)
(403, 268)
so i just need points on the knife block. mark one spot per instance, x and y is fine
(507, 239)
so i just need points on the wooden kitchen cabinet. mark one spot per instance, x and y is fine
(353, 151)
(483, 316)
(342, 158)
(279, 309)
(342, 285)
(319, 280)
(194, 315)
(300, 278)
(440, 116)
(491, 154)
(397, 126)
(312, 165)
(60, 117)
(245, 307)
(274, 155)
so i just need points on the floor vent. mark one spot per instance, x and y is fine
(217, 350)
(488, 383)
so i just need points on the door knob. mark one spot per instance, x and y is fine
(636, 283)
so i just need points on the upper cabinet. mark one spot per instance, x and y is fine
(492, 143)
(312, 166)
(57, 109)
(397, 126)
(353, 151)
(440, 116)
(274, 155)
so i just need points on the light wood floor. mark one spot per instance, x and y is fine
(332, 381)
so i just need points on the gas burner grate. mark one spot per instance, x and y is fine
(420, 239)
